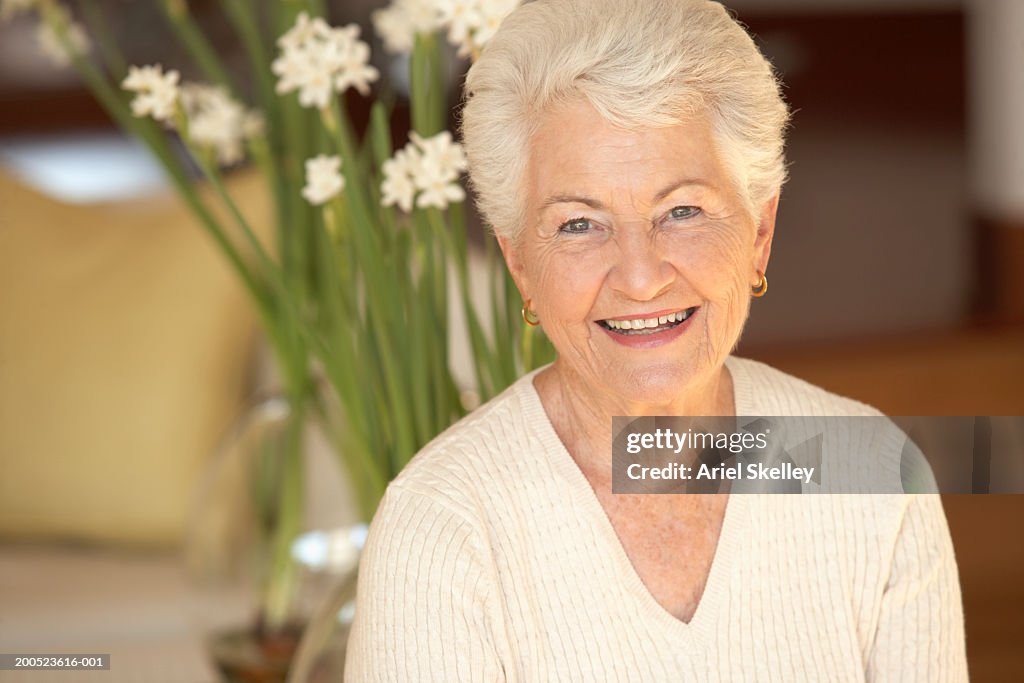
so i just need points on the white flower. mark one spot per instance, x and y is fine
(442, 151)
(304, 31)
(438, 188)
(53, 47)
(400, 21)
(11, 8)
(319, 60)
(398, 188)
(216, 121)
(471, 23)
(307, 72)
(493, 13)
(157, 92)
(355, 71)
(323, 179)
(461, 17)
(426, 171)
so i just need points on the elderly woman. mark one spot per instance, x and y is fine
(629, 156)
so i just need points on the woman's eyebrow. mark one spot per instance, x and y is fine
(572, 199)
(672, 187)
(597, 205)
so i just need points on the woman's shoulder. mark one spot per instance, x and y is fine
(475, 452)
(763, 390)
(888, 460)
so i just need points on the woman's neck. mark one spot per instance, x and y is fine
(581, 414)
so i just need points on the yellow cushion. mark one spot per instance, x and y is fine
(124, 345)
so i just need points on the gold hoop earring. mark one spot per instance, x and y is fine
(761, 288)
(529, 317)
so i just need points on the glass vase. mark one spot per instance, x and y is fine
(270, 536)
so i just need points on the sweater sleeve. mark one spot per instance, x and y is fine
(920, 634)
(424, 599)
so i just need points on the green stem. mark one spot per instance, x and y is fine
(112, 57)
(242, 17)
(427, 86)
(198, 47)
(245, 24)
(211, 173)
(487, 373)
(384, 311)
(288, 522)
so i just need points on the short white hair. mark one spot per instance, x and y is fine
(639, 63)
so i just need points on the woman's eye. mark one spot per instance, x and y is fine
(575, 226)
(683, 212)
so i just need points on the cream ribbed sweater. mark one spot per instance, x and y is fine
(491, 559)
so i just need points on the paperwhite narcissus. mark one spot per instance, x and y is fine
(323, 179)
(471, 23)
(319, 60)
(78, 42)
(398, 23)
(156, 92)
(218, 122)
(468, 23)
(426, 171)
(398, 188)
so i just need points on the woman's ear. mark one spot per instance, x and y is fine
(513, 259)
(765, 233)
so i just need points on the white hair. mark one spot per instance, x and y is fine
(639, 63)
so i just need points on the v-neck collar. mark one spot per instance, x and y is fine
(700, 629)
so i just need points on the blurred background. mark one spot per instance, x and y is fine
(127, 349)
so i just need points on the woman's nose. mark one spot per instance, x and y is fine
(641, 271)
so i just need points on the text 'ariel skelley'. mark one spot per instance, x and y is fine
(733, 442)
(752, 471)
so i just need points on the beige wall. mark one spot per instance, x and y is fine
(124, 344)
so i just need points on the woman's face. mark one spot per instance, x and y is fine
(636, 227)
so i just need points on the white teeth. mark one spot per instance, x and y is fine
(648, 323)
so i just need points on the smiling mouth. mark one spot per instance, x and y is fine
(641, 326)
